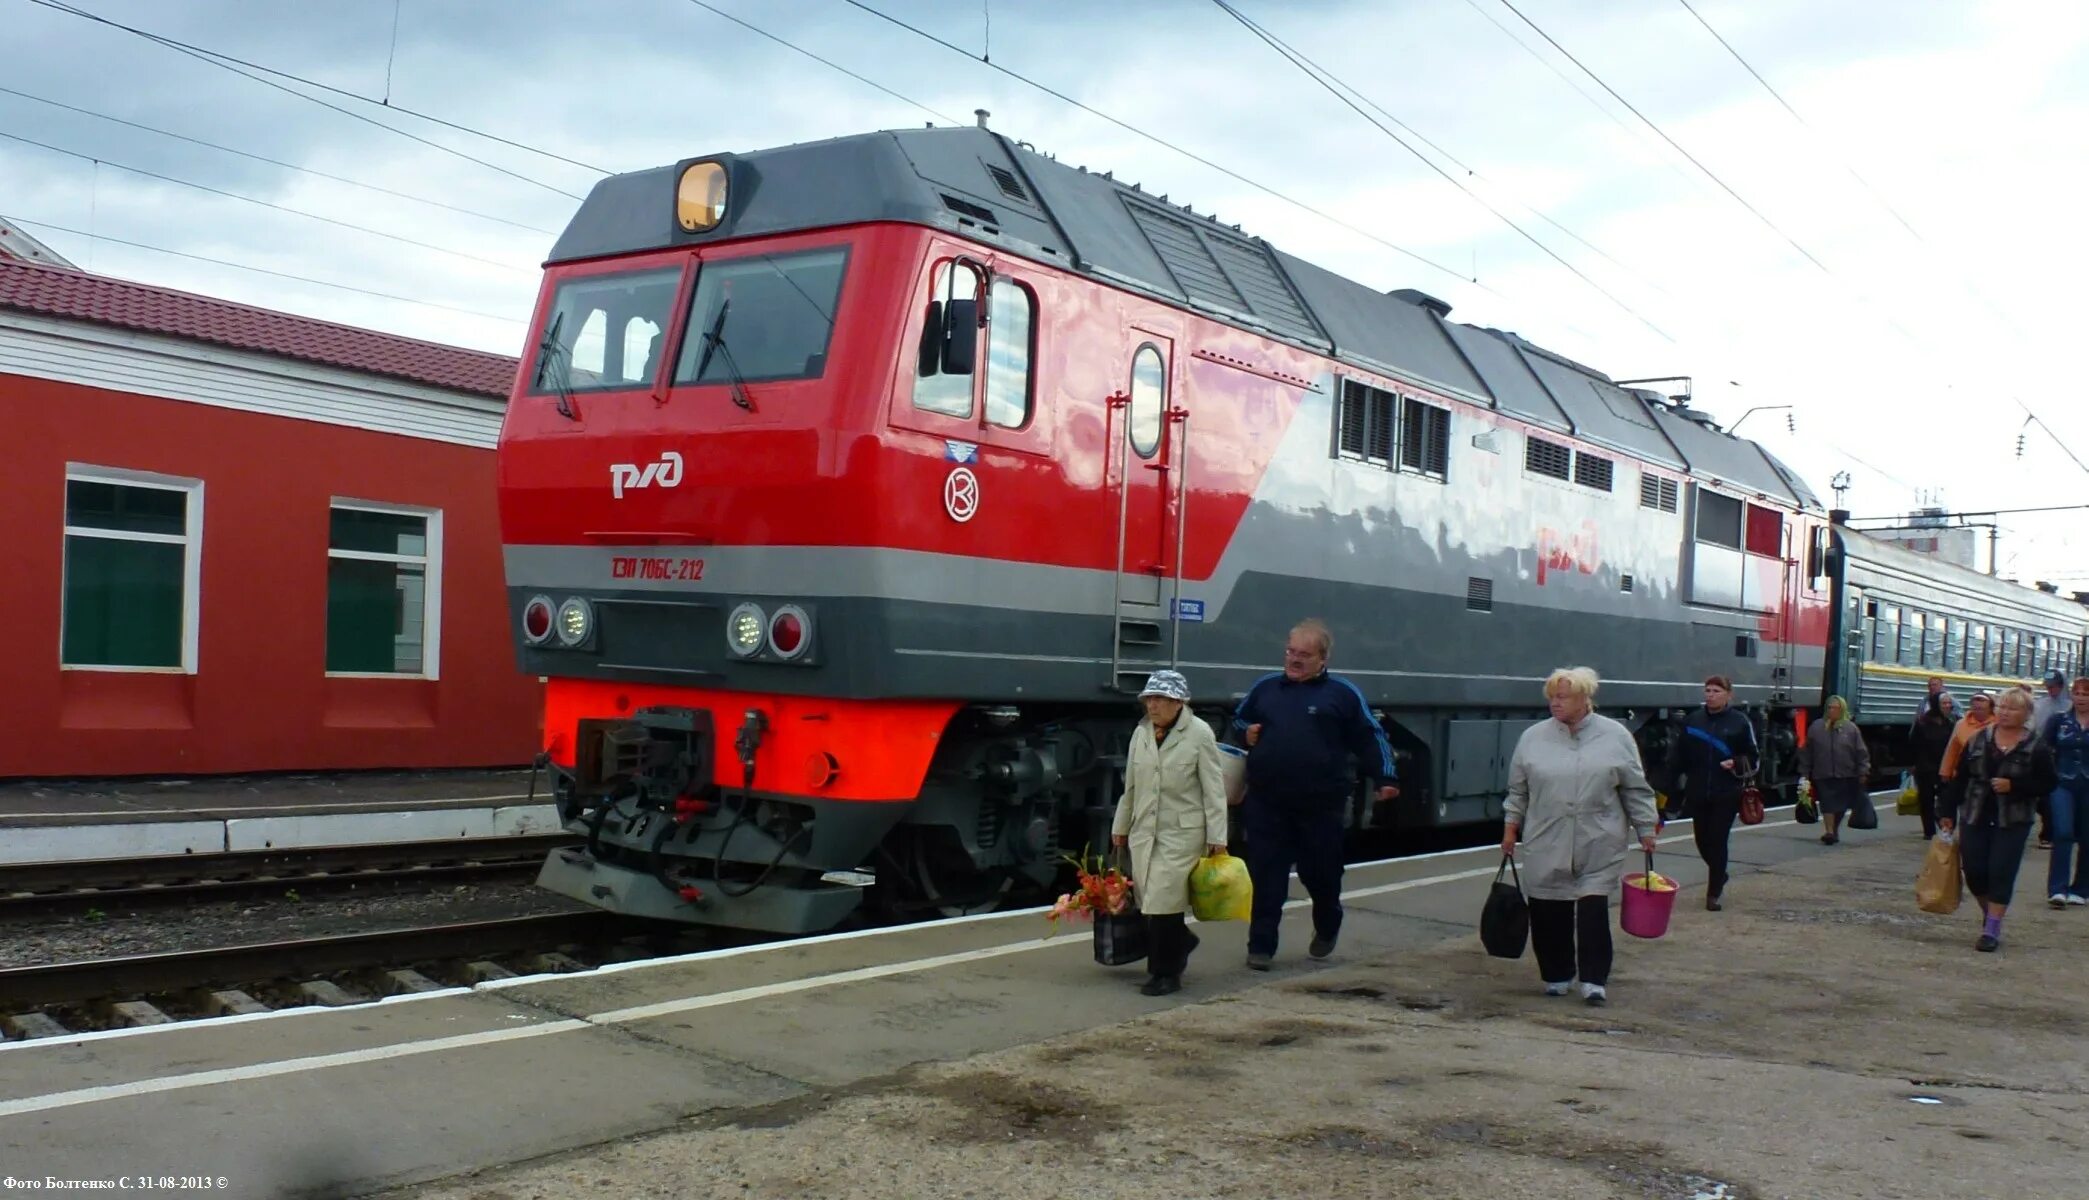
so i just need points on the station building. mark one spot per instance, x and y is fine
(241, 541)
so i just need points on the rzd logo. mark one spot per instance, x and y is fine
(666, 473)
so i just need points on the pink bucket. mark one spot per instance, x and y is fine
(1645, 911)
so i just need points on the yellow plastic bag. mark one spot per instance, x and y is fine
(1910, 801)
(1220, 889)
(1937, 886)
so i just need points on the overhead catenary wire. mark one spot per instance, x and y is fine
(787, 44)
(1193, 156)
(282, 208)
(221, 262)
(1344, 93)
(227, 64)
(274, 162)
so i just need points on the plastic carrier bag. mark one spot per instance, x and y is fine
(1220, 889)
(1909, 803)
(1937, 885)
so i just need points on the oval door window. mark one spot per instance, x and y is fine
(1149, 394)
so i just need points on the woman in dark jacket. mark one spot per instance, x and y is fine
(1932, 733)
(2007, 770)
(1716, 750)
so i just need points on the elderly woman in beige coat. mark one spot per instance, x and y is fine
(1578, 794)
(1173, 812)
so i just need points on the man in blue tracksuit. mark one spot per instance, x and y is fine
(1301, 726)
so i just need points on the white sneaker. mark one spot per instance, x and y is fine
(1594, 995)
(2076, 901)
(1559, 989)
(2057, 899)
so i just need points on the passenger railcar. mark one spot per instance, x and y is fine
(850, 489)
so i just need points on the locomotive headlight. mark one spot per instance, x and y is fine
(536, 620)
(700, 197)
(576, 620)
(745, 629)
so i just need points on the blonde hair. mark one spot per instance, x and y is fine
(1574, 681)
(2019, 694)
(1317, 629)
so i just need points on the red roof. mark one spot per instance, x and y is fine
(76, 295)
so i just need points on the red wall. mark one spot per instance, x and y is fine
(260, 699)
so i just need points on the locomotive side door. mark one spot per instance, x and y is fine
(1148, 453)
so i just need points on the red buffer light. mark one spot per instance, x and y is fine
(536, 620)
(789, 631)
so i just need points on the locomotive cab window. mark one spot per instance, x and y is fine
(604, 332)
(764, 317)
(1011, 320)
(949, 338)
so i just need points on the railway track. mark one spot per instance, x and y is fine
(54, 1000)
(105, 884)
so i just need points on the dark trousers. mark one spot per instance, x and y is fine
(1712, 825)
(1926, 793)
(1280, 835)
(1992, 856)
(1168, 944)
(1571, 933)
(2070, 841)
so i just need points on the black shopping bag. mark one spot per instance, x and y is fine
(1505, 920)
(1120, 939)
(1862, 814)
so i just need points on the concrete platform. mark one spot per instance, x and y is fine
(1771, 1050)
(59, 821)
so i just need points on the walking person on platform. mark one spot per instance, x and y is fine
(2067, 732)
(1173, 812)
(1301, 726)
(1980, 713)
(1716, 751)
(1934, 726)
(1577, 793)
(2045, 706)
(1838, 762)
(2008, 768)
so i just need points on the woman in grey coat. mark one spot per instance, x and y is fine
(1578, 792)
(1173, 812)
(1838, 762)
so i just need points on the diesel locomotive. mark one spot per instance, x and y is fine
(849, 490)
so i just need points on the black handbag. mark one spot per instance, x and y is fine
(1120, 939)
(1505, 919)
(1863, 814)
(1805, 809)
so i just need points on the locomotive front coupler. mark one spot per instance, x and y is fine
(659, 758)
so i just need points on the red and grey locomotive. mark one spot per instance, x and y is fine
(850, 488)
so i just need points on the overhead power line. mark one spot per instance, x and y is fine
(283, 208)
(203, 258)
(274, 162)
(222, 63)
(385, 104)
(1157, 140)
(1343, 92)
(826, 62)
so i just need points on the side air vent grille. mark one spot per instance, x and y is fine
(978, 212)
(1479, 594)
(1010, 186)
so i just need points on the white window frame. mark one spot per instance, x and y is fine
(191, 541)
(431, 573)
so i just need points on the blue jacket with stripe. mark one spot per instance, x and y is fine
(1310, 729)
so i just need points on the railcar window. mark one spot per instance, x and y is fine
(1911, 639)
(781, 313)
(1765, 531)
(1976, 648)
(2011, 647)
(1541, 457)
(1593, 471)
(1149, 396)
(1885, 634)
(1994, 650)
(1367, 423)
(1954, 644)
(1718, 519)
(1010, 320)
(1425, 438)
(934, 391)
(604, 331)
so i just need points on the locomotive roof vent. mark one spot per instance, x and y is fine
(1422, 300)
(1696, 415)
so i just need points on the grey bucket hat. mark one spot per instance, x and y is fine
(1166, 683)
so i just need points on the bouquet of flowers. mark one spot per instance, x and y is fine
(1099, 888)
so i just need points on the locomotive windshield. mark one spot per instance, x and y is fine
(782, 311)
(605, 332)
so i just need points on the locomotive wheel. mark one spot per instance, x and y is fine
(941, 878)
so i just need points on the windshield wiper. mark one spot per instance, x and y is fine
(714, 342)
(552, 362)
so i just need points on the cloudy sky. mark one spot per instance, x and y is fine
(1908, 288)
